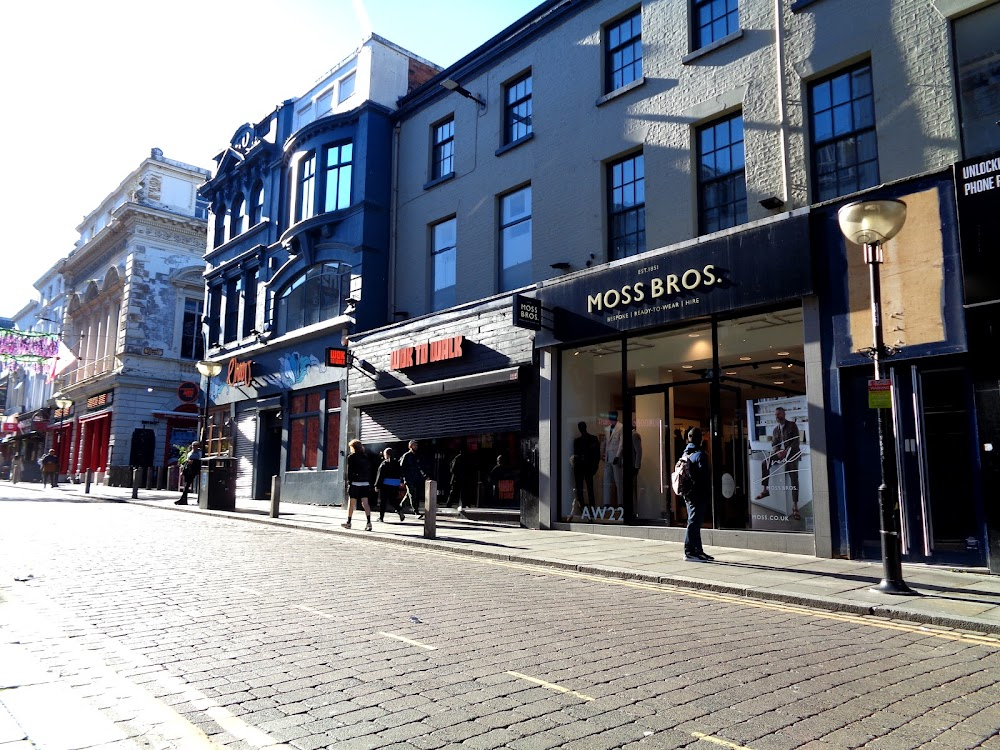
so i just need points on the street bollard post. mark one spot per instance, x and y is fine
(136, 476)
(150, 477)
(430, 508)
(275, 494)
(90, 476)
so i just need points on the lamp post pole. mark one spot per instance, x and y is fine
(208, 370)
(62, 403)
(870, 224)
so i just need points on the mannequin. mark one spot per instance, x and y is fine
(612, 455)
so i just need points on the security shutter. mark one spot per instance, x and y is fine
(246, 439)
(464, 413)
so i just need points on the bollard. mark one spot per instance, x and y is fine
(136, 473)
(150, 477)
(90, 476)
(275, 494)
(430, 508)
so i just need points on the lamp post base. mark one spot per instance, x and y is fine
(894, 588)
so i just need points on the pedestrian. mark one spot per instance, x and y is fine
(359, 483)
(456, 480)
(190, 469)
(50, 468)
(696, 498)
(15, 469)
(413, 477)
(389, 483)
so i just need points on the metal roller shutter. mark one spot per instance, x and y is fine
(243, 448)
(465, 413)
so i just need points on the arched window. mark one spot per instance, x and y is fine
(236, 216)
(256, 211)
(317, 294)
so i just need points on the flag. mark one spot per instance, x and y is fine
(63, 359)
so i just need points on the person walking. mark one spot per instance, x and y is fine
(190, 469)
(457, 480)
(50, 469)
(359, 483)
(697, 496)
(413, 477)
(388, 483)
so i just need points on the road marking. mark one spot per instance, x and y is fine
(717, 741)
(410, 641)
(550, 686)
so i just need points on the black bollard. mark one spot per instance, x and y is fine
(90, 476)
(275, 494)
(135, 482)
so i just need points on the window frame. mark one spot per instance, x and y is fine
(339, 169)
(721, 181)
(638, 208)
(306, 179)
(440, 145)
(517, 125)
(255, 213)
(443, 297)
(195, 340)
(504, 284)
(305, 409)
(251, 281)
(731, 18)
(611, 49)
(236, 214)
(312, 276)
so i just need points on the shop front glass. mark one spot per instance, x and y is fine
(625, 417)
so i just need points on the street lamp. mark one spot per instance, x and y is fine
(208, 370)
(62, 403)
(871, 223)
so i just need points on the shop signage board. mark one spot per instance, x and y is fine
(977, 195)
(527, 312)
(188, 392)
(239, 373)
(880, 394)
(766, 264)
(437, 350)
(337, 357)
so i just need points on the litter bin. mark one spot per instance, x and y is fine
(218, 484)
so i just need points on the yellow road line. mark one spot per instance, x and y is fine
(410, 641)
(550, 686)
(718, 741)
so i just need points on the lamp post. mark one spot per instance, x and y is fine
(208, 370)
(62, 403)
(869, 224)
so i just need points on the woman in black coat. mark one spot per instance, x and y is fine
(388, 482)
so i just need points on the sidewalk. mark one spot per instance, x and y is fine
(950, 598)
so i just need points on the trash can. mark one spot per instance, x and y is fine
(218, 484)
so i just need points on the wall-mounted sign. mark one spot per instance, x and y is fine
(527, 312)
(421, 354)
(337, 357)
(188, 392)
(151, 352)
(880, 394)
(101, 400)
(977, 193)
(239, 373)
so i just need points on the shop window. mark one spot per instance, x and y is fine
(515, 239)
(517, 109)
(444, 259)
(318, 294)
(722, 185)
(303, 431)
(623, 51)
(844, 147)
(332, 432)
(626, 207)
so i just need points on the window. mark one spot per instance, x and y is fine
(346, 89)
(332, 459)
(515, 239)
(200, 208)
(256, 211)
(517, 109)
(218, 430)
(236, 216)
(714, 19)
(250, 300)
(444, 149)
(303, 431)
(306, 203)
(337, 177)
(623, 51)
(722, 187)
(626, 207)
(214, 313)
(844, 149)
(219, 235)
(234, 287)
(443, 258)
(317, 294)
(977, 52)
(192, 342)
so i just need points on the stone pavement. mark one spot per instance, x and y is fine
(952, 598)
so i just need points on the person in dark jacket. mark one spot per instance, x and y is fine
(697, 498)
(359, 484)
(190, 470)
(388, 482)
(413, 476)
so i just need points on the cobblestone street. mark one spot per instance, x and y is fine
(188, 631)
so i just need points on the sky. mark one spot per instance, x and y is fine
(88, 88)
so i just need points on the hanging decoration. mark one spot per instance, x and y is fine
(26, 349)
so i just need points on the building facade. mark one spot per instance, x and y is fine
(297, 262)
(663, 180)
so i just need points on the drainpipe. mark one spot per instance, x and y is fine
(779, 57)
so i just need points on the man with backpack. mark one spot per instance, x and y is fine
(693, 482)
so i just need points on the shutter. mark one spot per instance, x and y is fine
(463, 413)
(243, 449)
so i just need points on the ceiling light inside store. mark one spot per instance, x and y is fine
(782, 354)
(687, 367)
(745, 359)
(776, 367)
(730, 372)
(779, 382)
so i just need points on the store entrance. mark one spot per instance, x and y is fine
(661, 417)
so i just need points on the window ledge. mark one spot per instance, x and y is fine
(621, 90)
(514, 144)
(709, 48)
(800, 5)
(438, 180)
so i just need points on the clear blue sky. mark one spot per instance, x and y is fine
(88, 88)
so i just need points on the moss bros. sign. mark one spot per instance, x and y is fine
(761, 265)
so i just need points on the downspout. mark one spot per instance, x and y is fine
(393, 222)
(779, 57)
